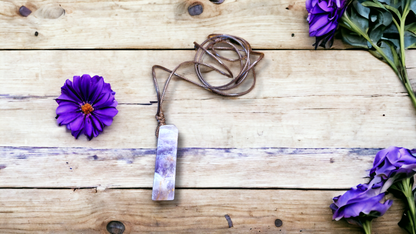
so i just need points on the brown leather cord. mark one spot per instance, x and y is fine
(214, 43)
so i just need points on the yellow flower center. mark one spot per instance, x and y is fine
(87, 108)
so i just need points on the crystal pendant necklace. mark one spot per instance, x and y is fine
(167, 143)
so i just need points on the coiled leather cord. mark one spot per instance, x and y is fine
(210, 47)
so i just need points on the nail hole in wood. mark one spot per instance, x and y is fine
(278, 223)
(36, 33)
(115, 227)
(195, 9)
(230, 222)
(217, 1)
(24, 11)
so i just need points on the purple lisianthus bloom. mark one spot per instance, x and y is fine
(86, 105)
(392, 164)
(360, 201)
(323, 18)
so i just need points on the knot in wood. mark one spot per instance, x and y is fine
(217, 1)
(24, 11)
(278, 223)
(195, 9)
(115, 227)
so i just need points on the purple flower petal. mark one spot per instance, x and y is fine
(106, 120)
(102, 99)
(323, 18)
(85, 87)
(70, 92)
(98, 82)
(110, 112)
(391, 164)
(96, 122)
(362, 199)
(88, 128)
(67, 107)
(77, 124)
(77, 87)
(68, 118)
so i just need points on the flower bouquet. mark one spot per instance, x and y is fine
(385, 28)
(393, 171)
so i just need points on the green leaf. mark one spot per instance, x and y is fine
(358, 20)
(413, 6)
(376, 54)
(390, 52)
(372, 4)
(361, 10)
(391, 34)
(375, 34)
(411, 27)
(392, 29)
(387, 50)
(405, 222)
(395, 42)
(386, 18)
(353, 39)
(393, 9)
(394, 3)
(409, 39)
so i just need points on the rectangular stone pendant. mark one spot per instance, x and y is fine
(165, 168)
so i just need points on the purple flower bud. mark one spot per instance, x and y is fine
(86, 105)
(359, 201)
(392, 164)
(323, 18)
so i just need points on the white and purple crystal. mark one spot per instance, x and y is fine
(165, 168)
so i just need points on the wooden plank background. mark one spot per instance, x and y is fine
(161, 24)
(308, 131)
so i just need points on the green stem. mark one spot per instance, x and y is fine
(407, 191)
(367, 226)
(403, 73)
(363, 34)
(408, 87)
(401, 32)
(400, 71)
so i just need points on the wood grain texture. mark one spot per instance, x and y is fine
(196, 168)
(149, 24)
(193, 211)
(353, 101)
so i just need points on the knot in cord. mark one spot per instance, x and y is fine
(160, 118)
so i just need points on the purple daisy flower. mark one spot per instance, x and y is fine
(323, 18)
(86, 105)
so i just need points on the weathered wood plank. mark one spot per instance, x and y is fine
(285, 73)
(196, 168)
(147, 24)
(282, 122)
(193, 211)
(356, 101)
